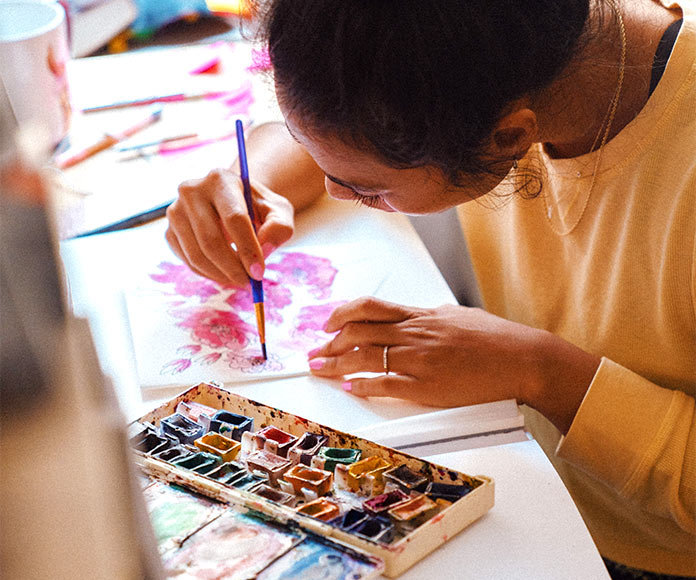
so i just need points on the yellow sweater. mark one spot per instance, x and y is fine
(621, 285)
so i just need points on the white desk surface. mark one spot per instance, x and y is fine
(533, 532)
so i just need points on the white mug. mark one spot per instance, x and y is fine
(33, 56)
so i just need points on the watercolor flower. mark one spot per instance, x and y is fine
(209, 359)
(186, 282)
(215, 328)
(252, 364)
(189, 349)
(176, 366)
(299, 269)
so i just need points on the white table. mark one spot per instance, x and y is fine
(533, 532)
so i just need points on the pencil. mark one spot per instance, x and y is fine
(256, 285)
(108, 140)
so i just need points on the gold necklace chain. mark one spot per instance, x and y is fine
(608, 120)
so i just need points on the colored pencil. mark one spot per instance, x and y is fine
(108, 140)
(256, 285)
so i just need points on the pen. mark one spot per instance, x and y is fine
(131, 222)
(256, 285)
(108, 140)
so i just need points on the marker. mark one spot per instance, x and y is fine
(130, 222)
(108, 140)
(256, 285)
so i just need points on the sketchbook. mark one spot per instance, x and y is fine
(449, 430)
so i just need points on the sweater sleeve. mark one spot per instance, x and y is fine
(640, 439)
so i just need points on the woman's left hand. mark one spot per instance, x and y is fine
(447, 356)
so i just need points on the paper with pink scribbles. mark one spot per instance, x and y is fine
(188, 329)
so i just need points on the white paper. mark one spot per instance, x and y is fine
(188, 329)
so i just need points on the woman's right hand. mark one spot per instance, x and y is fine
(210, 230)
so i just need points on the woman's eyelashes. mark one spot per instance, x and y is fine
(366, 200)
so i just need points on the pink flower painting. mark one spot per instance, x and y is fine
(220, 324)
(314, 272)
(185, 282)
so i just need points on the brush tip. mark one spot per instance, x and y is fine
(263, 351)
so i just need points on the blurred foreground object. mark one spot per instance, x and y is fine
(70, 505)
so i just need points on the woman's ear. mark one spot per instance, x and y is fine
(514, 134)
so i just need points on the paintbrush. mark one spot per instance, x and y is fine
(256, 285)
(108, 140)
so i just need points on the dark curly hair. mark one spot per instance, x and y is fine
(422, 83)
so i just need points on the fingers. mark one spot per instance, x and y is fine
(211, 231)
(210, 272)
(366, 359)
(201, 242)
(398, 386)
(275, 216)
(358, 335)
(367, 309)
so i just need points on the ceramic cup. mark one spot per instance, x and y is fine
(33, 56)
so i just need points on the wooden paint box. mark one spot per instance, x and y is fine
(406, 544)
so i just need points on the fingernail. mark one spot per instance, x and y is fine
(347, 386)
(317, 363)
(312, 353)
(268, 248)
(256, 271)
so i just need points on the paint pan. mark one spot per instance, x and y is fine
(228, 472)
(171, 454)
(151, 442)
(306, 447)
(329, 457)
(364, 476)
(231, 424)
(196, 412)
(377, 529)
(234, 546)
(137, 430)
(405, 479)
(200, 462)
(321, 509)
(318, 557)
(248, 481)
(181, 427)
(412, 513)
(215, 443)
(309, 482)
(349, 519)
(381, 503)
(269, 464)
(270, 493)
(274, 440)
(447, 491)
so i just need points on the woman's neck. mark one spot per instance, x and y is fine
(570, 112)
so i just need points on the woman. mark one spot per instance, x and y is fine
(572, 126)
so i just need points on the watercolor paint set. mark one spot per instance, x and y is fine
(226, 477)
